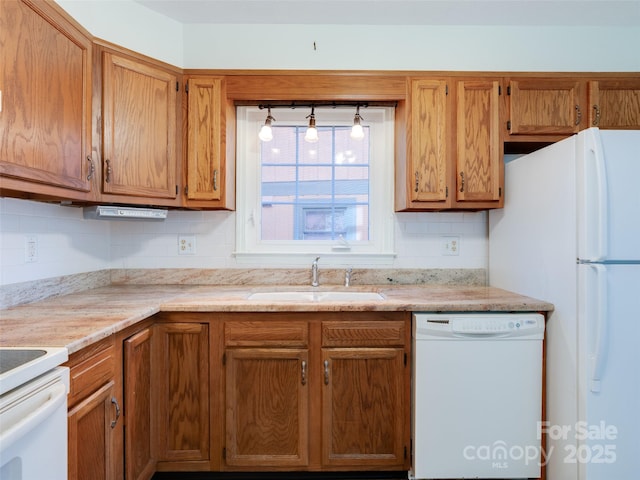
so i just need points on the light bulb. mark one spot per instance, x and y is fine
(357, 132)
(311, 135)
(266, 134)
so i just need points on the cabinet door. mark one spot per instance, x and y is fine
(546, 106)
(45, 109)
(205, 149)
(139, 130)
(428, 155)
(181, 377)
(139, 455)
(91, 449)
(266, 407)
(363, 407)
(615, 103)
(479, 162)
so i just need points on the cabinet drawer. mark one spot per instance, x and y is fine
(91, 373)
(266, 333)
(359, 333)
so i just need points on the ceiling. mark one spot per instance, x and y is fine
(402, 12)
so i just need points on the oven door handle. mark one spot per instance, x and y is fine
(54, 397)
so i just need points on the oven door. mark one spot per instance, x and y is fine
(33, 437)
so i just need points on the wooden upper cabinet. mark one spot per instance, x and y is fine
(209, 177)
(614, 103)
(45, 110)
(479, 160)
(427, 155)
(139, 130)
(544, 106)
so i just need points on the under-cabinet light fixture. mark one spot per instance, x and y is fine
(357, 132)
(266, 133)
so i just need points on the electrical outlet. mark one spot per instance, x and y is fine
(30, 249)
(186, 244)
(451, 245)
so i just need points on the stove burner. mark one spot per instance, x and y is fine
(10, 358)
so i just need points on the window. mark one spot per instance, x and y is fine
(332, 198)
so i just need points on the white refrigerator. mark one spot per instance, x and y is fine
(570, 234)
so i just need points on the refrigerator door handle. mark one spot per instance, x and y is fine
(602, 193)
(598, 356)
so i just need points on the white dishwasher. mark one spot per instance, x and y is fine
(477, 395)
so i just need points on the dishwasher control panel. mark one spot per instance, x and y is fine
(456, 325)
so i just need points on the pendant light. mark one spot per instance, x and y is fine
(357, 132)
(266, 134)
(311, 135)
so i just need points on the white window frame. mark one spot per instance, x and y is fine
(378, 250)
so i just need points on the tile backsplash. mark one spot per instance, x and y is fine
(66, 243)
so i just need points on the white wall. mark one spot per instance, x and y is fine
(69, 244)
(66, 243)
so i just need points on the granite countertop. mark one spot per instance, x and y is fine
(77, 320)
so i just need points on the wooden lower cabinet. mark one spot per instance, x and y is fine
(138, 439)
(267, 399)
(181, 396)
(362, 407)
(316, 391)
(94, 423)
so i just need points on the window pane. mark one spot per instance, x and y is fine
(315, 191)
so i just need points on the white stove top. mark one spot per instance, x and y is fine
(19, 365)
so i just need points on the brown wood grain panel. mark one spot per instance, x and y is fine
(45, 77)
(615, 103)
(363, 333)
(266, 333)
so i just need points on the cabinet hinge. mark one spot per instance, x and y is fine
(499, 192)
(508, 124)
(186, 190)
(446, 89)
(224, 453)
(509, 90)
(177, 190)
(499, 89)
(405, 359)
(177, 86)
(224, 359)
(186, 87)
(446, 192)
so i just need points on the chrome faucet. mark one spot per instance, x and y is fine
(314, 273)
(347, 277)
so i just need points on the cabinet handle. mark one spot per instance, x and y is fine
(114, 402)
(596, 119)
(578, 115)
(417, 181)
(326, 372)
(461, 182)
(108, 176)
(304, 373)
(92, 168)
(215, 180)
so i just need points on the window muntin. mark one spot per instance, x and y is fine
(304, 185)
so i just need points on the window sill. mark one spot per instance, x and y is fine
(304, 259)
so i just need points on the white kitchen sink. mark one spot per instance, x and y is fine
(309, 296)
